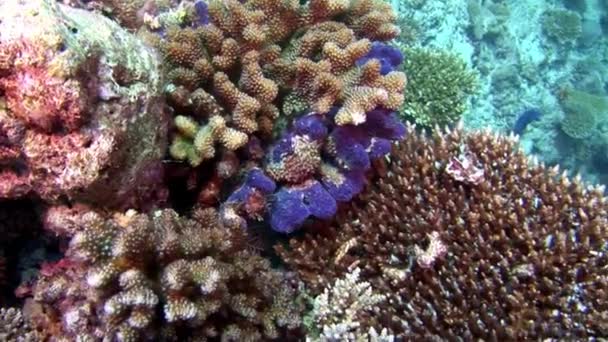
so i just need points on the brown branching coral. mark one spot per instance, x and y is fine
(257, 58)
(164, 277)
(503, 249)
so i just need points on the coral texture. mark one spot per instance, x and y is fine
(246, 63)
(336, 310)
(562, 25)
(583, 111)
(439, 87)
(80, 112)
(317, 164)
(163, 277)
(518, 254)
(14, 328)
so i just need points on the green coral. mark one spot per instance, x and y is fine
(582, 112)
(439, 85)
(561, 25)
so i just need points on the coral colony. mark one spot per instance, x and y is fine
(166, 150)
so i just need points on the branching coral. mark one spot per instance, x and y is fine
(80, 107)
(439, 86)
(249, 62)
(336, 310)
(503, 249)
(160, 275)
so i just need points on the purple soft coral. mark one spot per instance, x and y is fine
(389, 57)
(255, 180)
(202, 13)
(293, 205)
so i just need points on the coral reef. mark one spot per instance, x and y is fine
(237, 71)
(439, 86)
(81, 115)
(583, 112)
(502, 249)
(160, 276)
(562, 25)
(14, 328)
(334, 313)
(318, 165)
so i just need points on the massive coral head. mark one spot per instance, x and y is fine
(80, 107)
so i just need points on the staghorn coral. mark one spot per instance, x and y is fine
(439, 86)
(81, 116)
(335, 311)
(249, 62)
(14, 328)
(160, 276)
(520, 254)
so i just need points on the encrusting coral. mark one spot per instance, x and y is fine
(163, 277)
(470, 240)
(81, 112)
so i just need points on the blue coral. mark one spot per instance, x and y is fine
(389, 57)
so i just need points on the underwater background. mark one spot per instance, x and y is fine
(303, 170)
(538, 62)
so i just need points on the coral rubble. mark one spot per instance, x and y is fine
(503, 249)
(81, 113)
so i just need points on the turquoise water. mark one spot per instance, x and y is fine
(551, 56)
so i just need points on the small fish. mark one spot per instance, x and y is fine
(526, 118)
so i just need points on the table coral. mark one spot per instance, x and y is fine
(81, 115)
(583, 111)
(519, 254)
(562, 25)
(162, 276)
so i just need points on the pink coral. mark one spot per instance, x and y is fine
(464, 169)
(37, 97)
(80, 114)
